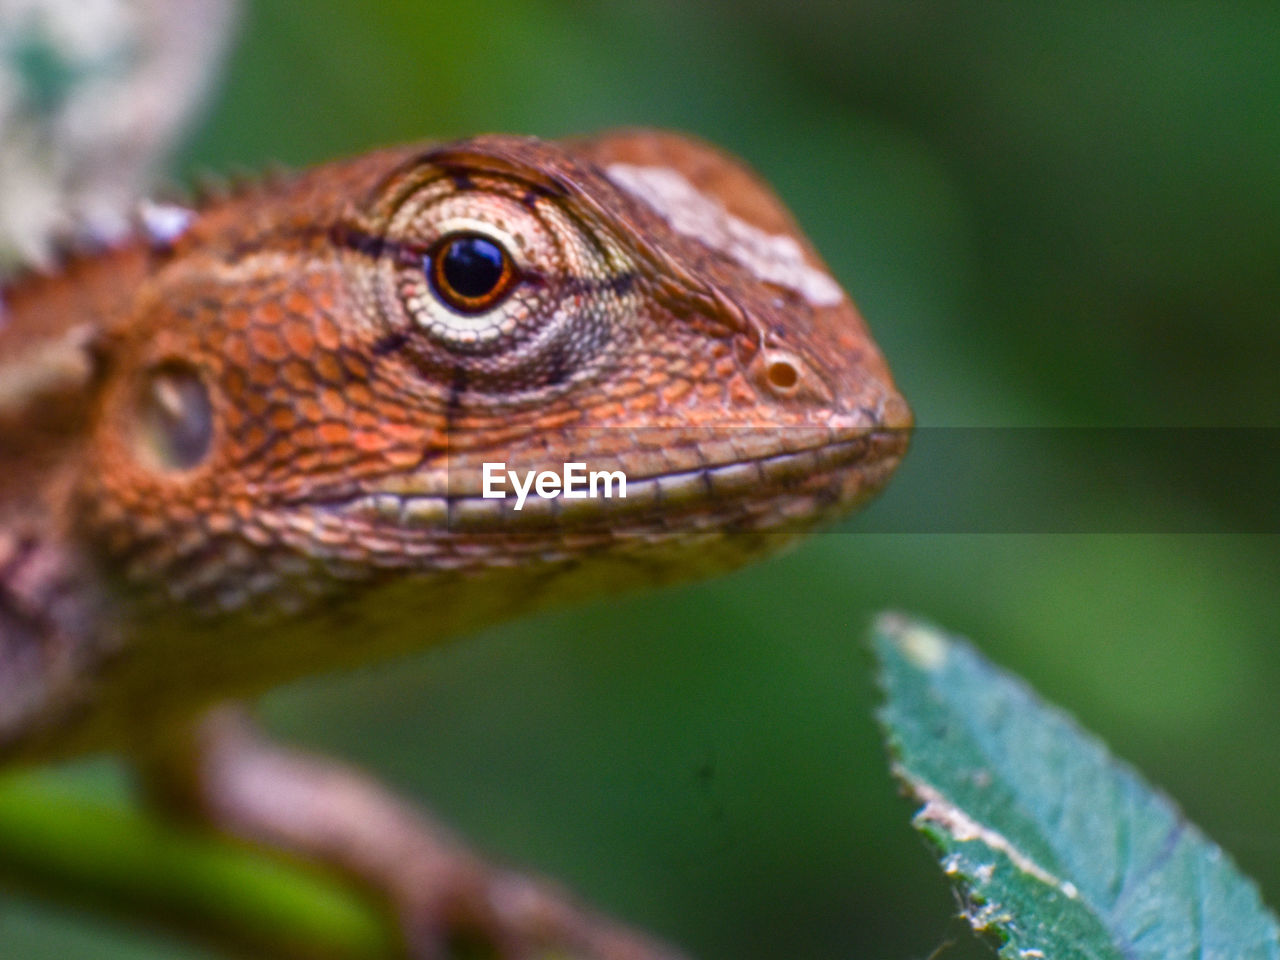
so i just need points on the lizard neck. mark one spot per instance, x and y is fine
(49, 327)
(55, 628)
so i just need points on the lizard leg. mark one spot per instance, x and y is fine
(447, 899)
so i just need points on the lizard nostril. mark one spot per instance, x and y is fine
(175, 418)
(790, 378)
(782, 375)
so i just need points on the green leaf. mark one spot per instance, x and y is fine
(1058, 849)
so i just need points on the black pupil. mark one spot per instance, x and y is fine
(472, 266)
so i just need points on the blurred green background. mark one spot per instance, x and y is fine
(1051, 214)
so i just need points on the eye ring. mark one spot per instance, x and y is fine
(470, 272)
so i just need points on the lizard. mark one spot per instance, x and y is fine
(249, 441)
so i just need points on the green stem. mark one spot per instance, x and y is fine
(109, 857)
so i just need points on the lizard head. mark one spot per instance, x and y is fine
(304, 391)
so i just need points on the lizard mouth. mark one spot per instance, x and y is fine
(801, 481)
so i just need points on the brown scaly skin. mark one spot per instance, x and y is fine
(254, 450)
(329, 512)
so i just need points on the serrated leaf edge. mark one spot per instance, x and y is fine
(941, 811)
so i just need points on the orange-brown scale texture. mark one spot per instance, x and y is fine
(315, 419)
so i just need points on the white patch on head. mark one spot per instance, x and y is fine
(164, 223)
(772, 257)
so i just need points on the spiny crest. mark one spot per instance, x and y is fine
(154, 222)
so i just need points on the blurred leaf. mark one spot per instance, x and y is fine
(1057, 847)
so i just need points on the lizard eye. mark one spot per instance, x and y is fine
(490, 284)
(469, 272)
